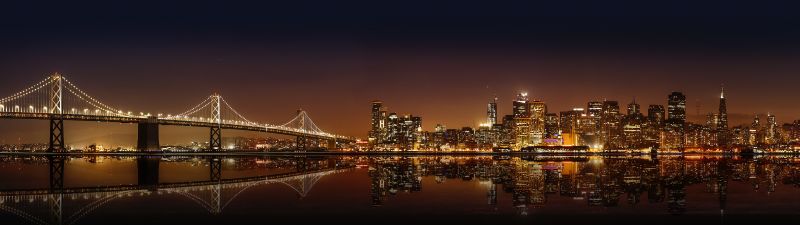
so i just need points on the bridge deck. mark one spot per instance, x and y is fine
(169, 122)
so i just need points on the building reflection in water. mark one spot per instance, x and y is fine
(526, 183)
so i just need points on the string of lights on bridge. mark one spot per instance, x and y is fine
(57, 95)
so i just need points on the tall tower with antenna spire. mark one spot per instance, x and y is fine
(722, 123)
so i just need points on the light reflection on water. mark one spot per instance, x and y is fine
(478, 189)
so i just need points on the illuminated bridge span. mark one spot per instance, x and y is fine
(212, 195)
(58, 99)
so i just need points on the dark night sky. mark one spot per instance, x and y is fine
(441, 60)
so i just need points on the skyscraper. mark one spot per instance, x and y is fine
(522, 121)
(378, 123)
(674, 131)
(772, 130)
(634, 108)
(722, 120)
(491, 112)
(676, 106)
(610, 129)
(521, 106)
(538, 109)
(655, 114)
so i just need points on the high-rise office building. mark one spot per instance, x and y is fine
(674, 130)
(378, 123)
(771, 130)
(551, 127)
(521, 108)
(632, 126)
(522, 121)
(655, 114)
(491, 112)
(723, 138)
(538, 109)
(676, 107)
(634, 108)
(610, 129)
(569, 123)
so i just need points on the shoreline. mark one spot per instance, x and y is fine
(250, 153)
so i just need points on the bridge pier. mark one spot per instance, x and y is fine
(56, 134)
(215, 139)
(148, 135)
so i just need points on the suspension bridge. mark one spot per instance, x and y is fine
(58, 99)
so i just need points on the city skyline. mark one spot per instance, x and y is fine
(333, 58)
(692, 116)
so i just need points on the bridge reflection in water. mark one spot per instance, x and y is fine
(209, 194)
(500, 187)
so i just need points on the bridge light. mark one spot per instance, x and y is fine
(2, 107)
(96, 111)
(16, 108)
(85, 111)
(31, 108)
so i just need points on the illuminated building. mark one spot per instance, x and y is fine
(521, 108)
(439, 136)
(393, 135)
(676, 106)
(506, 133)
(538, 109)
(466, 139)
(522, 121)
(569, 122)
(491, 112)
(674, 130)
(753, 134)
(589, 129)
(632, 126)
(722, 120)
(771, 134)
(610, 125)
(551, 126)
(378, 123)
(654, 124)
(655, 113)
(393, 131)
(451, 137)
(485, 137)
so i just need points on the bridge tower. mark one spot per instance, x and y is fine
(56, 115)
(302, 140)
(215, 140)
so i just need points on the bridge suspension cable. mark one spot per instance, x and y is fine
(57, 95)
(303, 122)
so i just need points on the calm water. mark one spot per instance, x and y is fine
(397, 189)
